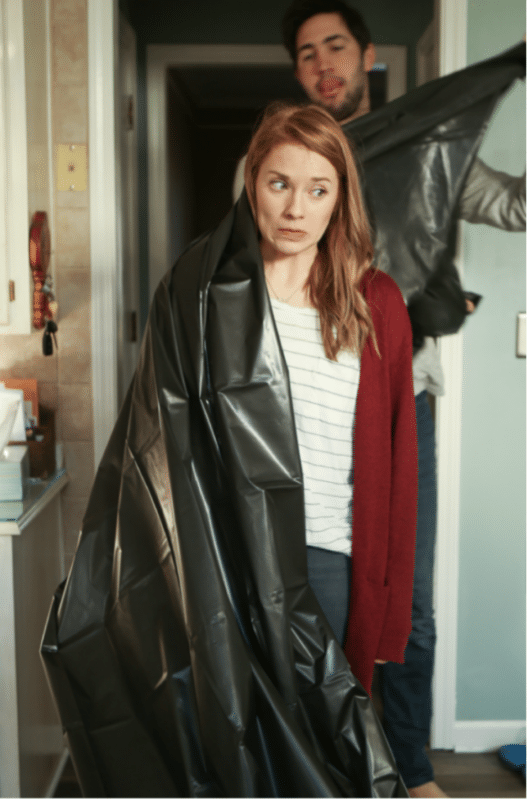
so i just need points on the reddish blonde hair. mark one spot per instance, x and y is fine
(345, 250)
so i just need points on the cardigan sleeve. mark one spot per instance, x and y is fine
(385, 494)
(403, 494)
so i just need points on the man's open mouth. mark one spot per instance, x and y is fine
(327, 87)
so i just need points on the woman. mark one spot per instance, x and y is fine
(187, 652)
(339, 320)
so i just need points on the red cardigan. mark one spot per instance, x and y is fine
(385, 487)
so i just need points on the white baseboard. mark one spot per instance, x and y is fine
(482, 735)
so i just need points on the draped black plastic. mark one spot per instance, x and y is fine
(416, 153)
(186, 652)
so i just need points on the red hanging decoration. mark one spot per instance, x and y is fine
(44, 306)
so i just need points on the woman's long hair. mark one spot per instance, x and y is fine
(345, 250)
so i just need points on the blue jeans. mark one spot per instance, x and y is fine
(329, 575)
(407, 688)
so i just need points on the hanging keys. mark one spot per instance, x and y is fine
(47, 340)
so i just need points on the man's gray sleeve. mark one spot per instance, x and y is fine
(493, 198)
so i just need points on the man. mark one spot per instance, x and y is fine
(332, 62)
(333, 53)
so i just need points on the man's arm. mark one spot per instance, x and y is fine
(489, 198)
(441, 308)
(493, 198)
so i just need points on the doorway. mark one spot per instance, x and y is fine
(210, 97)
(211, 114)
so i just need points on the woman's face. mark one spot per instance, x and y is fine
(296, 192)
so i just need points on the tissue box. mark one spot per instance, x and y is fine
(14, 472)
(42, 447)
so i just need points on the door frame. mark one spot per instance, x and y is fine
(103, 161)
(452, 56)
(128, 199)
(102, 46)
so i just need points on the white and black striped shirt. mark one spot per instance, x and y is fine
(324, 394)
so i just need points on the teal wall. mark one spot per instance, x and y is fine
(491, 632)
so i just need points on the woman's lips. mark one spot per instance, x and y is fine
(328, 87)
(292, 234)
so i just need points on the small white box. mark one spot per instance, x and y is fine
(14, 471)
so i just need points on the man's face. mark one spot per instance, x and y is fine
(331, 67)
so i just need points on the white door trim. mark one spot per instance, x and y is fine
(162, 56)
(102, 68)
(452, 56)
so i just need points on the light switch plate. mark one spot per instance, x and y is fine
(72, 168)
(520, 335)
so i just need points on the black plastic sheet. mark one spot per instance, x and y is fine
(416, 154)
(186, 652)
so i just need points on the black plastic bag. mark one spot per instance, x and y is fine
(187, 653)
(416, 153)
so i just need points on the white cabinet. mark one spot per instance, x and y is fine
(31, 567)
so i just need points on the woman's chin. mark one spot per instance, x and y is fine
(284, 248)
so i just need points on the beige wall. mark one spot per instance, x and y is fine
(64, 378)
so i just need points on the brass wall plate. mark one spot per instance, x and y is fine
(72, 168)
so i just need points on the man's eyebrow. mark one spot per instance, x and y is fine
(327, 40)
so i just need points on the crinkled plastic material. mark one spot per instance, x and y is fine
(186, 652)
(416, 154)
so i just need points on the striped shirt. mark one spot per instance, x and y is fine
(324, 393)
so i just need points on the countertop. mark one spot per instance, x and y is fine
(38, 494)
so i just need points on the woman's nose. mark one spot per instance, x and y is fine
(295, 206)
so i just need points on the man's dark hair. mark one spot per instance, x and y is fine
(301, 10)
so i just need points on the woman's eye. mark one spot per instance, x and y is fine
(319, 191)
(279, 185)
(337, 47)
